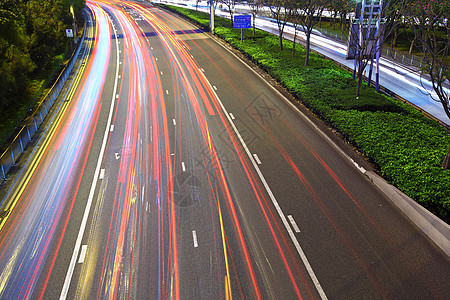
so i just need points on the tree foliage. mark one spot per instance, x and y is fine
(309, 12)
(429, 19)
(281, 11)
(32, 34)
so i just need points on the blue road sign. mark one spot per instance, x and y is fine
(243, 21)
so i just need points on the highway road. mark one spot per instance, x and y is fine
(171, 169)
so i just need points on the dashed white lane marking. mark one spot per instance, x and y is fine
(111, 129)
(257, 158)
(299, 249)
(102, 174)
(183, 167)
(294, 225)
(82, 254)
(174, 122)
(167, 92)
(156, 58)
(73, 260)
(194, 237)
(161, 72)
(232, 116)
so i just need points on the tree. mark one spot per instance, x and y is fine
(295, 19)
(255, 7)
(341, 8)
(15, 62)
(31, 35)
(281, 10)
(429, 20)
(309, 12)
(46, 22)
(394, 20)
(230, 4)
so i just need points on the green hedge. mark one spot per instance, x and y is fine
(407, 148)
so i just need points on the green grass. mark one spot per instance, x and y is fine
(406, 148)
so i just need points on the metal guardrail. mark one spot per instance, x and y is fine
(18, 145)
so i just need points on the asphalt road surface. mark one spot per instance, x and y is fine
(173, 170)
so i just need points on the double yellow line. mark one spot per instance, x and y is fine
(35, 162)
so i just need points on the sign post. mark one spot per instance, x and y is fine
(242, 22)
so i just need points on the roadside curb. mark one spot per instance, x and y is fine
(433, 227)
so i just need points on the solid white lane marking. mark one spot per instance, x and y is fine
(256, 158)
(183, 166)
(102, 174)
(194, 236)
(232, 116)
(272, 197)
(82, 254)
(294, 225)
(68, 279)
(174, 122)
